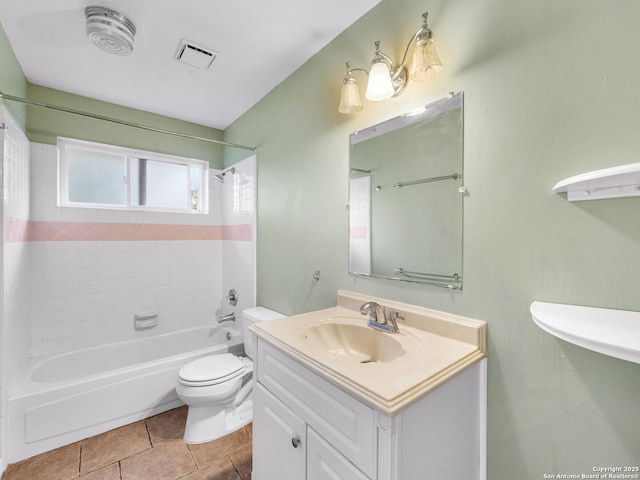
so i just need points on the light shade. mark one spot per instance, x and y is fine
(379, 86)
(426, 60)
(350, 96)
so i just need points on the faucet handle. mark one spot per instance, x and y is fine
(232, 297)
(391, 322)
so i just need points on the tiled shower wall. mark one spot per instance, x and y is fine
(14, 313)
(92, 270)
(239, 251)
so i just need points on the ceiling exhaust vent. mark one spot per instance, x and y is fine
(195, 55)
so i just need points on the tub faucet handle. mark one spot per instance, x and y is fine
(232, 297)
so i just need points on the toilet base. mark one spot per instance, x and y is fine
(210, 422)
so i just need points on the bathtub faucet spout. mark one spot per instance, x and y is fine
(230, 317)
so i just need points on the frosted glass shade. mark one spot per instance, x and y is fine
(350, 97)
(426, 61)
(380, 86)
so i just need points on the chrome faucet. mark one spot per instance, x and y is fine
(378, 318)
(230, 317)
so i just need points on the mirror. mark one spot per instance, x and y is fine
(406, 196)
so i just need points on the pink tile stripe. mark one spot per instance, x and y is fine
(359, 231)
(19, 230)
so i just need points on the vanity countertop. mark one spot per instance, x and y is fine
(386, 371)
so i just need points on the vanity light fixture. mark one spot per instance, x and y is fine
(385, 79)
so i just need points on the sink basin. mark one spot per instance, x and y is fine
(354, 342)
(385, 370)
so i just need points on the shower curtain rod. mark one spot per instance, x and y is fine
(11, 98)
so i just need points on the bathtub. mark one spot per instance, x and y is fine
(68, 397)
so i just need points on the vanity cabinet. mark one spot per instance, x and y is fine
(292, 449)
(280, 436)
(299, 415)
(305, 427)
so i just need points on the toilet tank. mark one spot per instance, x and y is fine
(251, 316)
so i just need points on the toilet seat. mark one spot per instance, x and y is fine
(217, 388)
(211, 370)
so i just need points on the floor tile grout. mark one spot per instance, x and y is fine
(166, 433)
(80, 459)
(193, 458)
(146, 427)
(235, 468)
(119, 462)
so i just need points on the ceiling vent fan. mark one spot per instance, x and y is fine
(110, 30)
(195, 55)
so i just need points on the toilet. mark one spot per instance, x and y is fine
(217, 388)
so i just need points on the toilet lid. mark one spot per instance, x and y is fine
(211, 370)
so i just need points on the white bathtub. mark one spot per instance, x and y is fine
(68, 397)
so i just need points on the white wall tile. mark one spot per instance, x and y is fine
(86, 293)
(15, 330)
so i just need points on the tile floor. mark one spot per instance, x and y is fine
(151, 449)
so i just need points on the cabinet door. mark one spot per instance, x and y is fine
(325, 463)
(343, 421)
(279, 440)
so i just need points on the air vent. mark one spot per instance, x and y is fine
(195, 55)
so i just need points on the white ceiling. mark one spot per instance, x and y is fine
(259, 44)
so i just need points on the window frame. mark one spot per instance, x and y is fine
(128, 153)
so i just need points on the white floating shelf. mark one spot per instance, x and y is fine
(615, 182)
(612, 332)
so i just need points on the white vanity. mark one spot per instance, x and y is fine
(335, 399)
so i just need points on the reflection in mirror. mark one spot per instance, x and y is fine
(406, 196)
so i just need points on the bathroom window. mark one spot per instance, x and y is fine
(105, 176)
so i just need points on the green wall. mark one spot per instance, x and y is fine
(45, 125)
(12, 81)
(550, 92)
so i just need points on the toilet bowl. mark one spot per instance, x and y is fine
(217, 388)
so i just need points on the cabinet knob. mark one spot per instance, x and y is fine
(295, 441)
